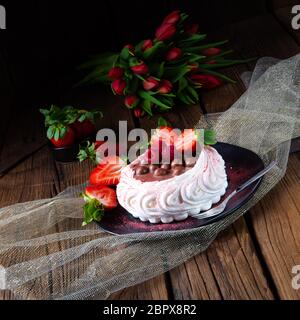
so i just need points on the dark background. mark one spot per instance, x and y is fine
(46, 40)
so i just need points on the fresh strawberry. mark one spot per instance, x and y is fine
(162, 143)
(98, 199)
(61, 136)
(165, 134)
(98, 144)
(153, 156)
(187, 141)
(107, 172)
(105, 195)
(84, 129)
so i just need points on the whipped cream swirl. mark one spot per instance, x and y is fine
(176, 198)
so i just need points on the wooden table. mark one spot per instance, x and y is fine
(252, 259)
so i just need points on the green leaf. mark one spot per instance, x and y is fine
(87, 152)
(183, 83)
(148, 54)
(133, 61)
(162, 122)
(63, 132)
(125, 54)
(161, 70)
(50, 132)
(210, 137)
(56, 134)
(165, 99)
(198, 49)
(133, 85)
(193, 93)
(145, 95)
(106, 59)
(93, 211)
(175, 73)
(147, 107)
(191, 40)
(185, 98)
(194, 57)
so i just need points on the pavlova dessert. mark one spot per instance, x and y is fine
(174, 178)
(159, 191)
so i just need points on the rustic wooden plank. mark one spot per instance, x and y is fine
(276, 222)
(33, 179)
(22, 138)
(154, 289)
(229, 269)
(271, 40)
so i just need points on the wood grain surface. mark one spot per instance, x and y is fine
(253, 258)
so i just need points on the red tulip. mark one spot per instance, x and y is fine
(116, 73)
(194, 67)
(173, 54)
(165, 87)
(165, 32)
(140, 68)
(150, 83)
(211, 52)
(118, 86)
(139, 113)
(172, 18)
(212, 62)
(131, 101)
(147, 44)
(130, 47)
(191, 28)
(206, 81)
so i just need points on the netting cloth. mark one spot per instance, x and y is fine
(46, 254)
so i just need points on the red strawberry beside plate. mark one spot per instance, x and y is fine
(107, 172)
(98, 199)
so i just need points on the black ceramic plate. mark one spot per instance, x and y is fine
(241, 164)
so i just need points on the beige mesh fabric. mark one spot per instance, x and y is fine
(46, 254)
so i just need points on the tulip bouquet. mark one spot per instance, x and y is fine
(155, 73)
